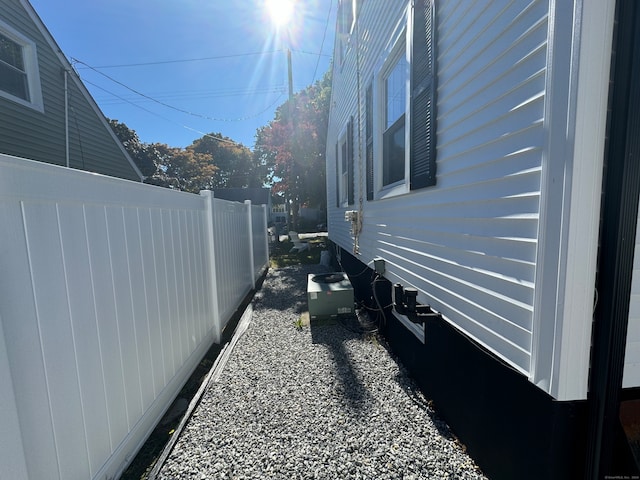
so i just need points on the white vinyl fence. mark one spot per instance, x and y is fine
(110, 294)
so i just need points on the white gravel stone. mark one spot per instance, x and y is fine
(324, 402)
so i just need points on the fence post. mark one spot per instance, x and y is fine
(266, 235)
(207, 195)
(251, 259)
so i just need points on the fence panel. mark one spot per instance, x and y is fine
(232, 243)
(107, 304)
(260, 239)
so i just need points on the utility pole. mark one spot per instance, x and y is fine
(294, 204)
(290, 76)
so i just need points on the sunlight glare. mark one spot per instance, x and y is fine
(280, 11)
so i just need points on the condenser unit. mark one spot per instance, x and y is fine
(329, 295)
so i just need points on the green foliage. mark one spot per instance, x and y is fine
(142, 156)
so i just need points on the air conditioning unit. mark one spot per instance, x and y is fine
(329, 295)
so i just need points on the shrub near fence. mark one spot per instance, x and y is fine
(111, 292)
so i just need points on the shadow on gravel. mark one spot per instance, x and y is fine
(334, 334)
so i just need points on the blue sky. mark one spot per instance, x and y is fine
(222, 61)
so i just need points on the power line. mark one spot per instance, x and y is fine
(324, 35)
(164, 104)
(177, 95)
(202, 59)
(222, 140)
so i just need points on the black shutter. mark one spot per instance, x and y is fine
(369, 140)
(350, 163)
(423, 153)
(338, 171)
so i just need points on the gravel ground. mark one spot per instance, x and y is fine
(321, 402)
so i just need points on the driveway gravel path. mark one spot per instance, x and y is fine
(321, 402)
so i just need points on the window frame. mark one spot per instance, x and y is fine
(397, 47)
(415, 34)
(399, 123)
(31, 69)
(345, 165)
(343, 172)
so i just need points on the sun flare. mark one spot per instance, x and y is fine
(280, 11)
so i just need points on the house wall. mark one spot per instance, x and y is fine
(40, 135)
(491, 245)
(469, 243)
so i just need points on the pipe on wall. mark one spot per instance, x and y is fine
(66, 117)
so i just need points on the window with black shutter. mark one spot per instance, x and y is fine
(423, 87)
(350, 163)
(345, 166)
(369, 140)
(395, 106)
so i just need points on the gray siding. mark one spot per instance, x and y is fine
(28, 133)
(469, 243)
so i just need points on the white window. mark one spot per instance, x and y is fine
(19, 77)
(345, 166)
(393, 137)
(401, 109)
(344, 170)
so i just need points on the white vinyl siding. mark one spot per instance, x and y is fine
(504, 241)
(469, 243)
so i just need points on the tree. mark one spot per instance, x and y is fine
(137, 150)
(293, 146)
(187, 169)
(212, 161)
(235, 163)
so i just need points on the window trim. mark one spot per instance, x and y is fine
(343, 168)
(369, 140)
(418, 23)
(345, 154)
(397, 46)
(32, 70)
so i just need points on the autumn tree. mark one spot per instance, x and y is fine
(213, 161)
(236, 166)
(293, 146)
(183, 168)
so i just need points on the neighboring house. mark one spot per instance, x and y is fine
(467, 147)
(279, 213)
(258, 196)
(46, 112)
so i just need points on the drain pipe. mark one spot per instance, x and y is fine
(66, 116)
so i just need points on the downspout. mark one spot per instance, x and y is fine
(618, 237)
(66, 117)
